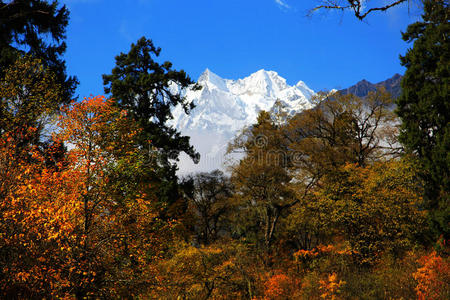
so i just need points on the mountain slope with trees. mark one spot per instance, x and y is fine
(325, 203)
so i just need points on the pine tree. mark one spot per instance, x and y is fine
(36, 28)
(148, 91)
(424, 106)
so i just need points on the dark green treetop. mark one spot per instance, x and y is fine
(424, 106)
(36, 28)
(149, 91)
(145, 88)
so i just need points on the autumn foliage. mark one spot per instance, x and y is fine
(321, 206)
(433, 277)
(64, 230)
(85, 222)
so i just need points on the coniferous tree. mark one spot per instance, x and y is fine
(148, 91)
(424, 106)
(36, 28)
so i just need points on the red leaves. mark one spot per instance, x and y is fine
(281, 286)
(433, 278)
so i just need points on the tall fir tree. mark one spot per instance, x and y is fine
(424, 107)
(149, 90)
(36, 28)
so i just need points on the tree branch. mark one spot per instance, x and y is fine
(356, 5)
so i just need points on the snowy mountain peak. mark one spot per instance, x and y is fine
(205, 76)
(262, 82)
(209, 78)
(224, 107)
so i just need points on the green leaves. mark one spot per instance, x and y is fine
(148, 91)
(39, 27)
(424, 107)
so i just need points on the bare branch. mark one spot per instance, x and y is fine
(357, 6)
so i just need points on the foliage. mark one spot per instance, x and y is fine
(433, 277)
(149, 91)
(29, 95)
(424, 107)
(88, 224)
(102, 136)
(375, 208)
(304, 227)
(321, 206)
(281, 286)
(331, 287)
(36, 28)
(217, 271)
(342, 129)
(63, 232)
(210, 206)
(261, 179)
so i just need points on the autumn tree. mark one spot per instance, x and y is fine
(29, 96)
(71, 232)
(37, 229)
(211, 205)
(117, 222)
(199, 273)
(375, 208)
(424, 107)
(341, 129)
(228, 269)
(148, 91)
(261, 179)
(36, 28)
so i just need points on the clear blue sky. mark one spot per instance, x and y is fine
(235, 38)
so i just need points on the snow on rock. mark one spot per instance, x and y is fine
(224, 107)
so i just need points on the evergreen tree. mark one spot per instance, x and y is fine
(424, 106)
(148, 91)
(36, 28)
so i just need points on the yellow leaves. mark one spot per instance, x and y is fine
(331, 286)
(46, 211)
(29, 93)
(321, 250)
(53, 236)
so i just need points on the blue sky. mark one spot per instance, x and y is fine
(235, 38)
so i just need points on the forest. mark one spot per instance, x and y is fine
(347, 200)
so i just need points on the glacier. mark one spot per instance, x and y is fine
(224, 107)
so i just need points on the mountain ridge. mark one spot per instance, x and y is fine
(224, 107)
(363, 87)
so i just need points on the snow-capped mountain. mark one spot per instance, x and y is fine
(224, 107)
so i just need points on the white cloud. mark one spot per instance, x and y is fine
(282, 4)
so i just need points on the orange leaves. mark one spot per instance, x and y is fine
(96, 122)
(433, 278)
(330, 287)
(281, 286)
(36, 225)
(62, 228)
(322, 250)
